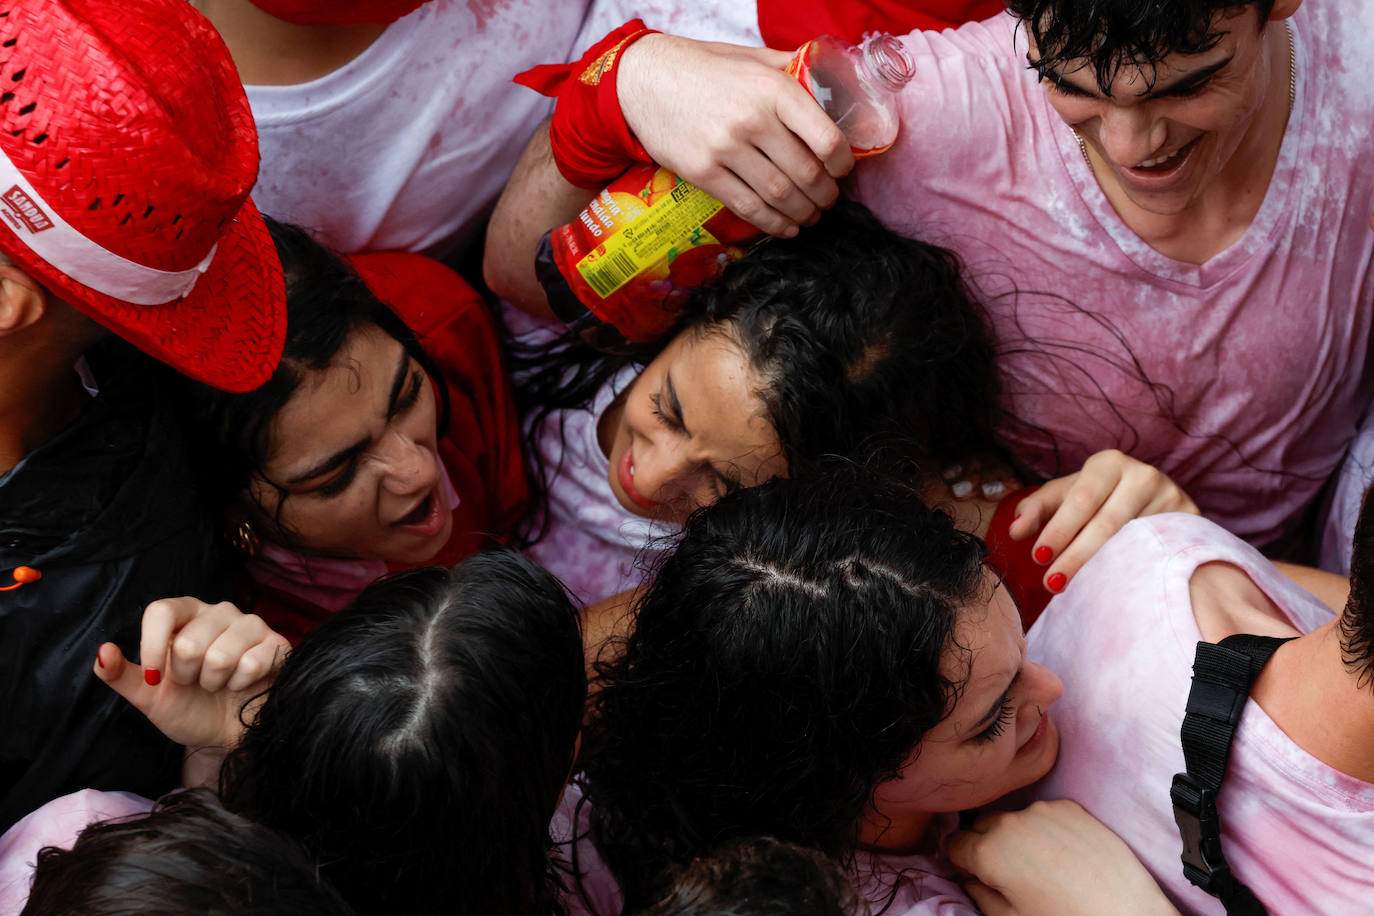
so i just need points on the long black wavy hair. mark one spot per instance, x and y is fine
(859, 336)
(419, 740)
(1111, 34)
(326, 302)
(189, 855)
(784, 662)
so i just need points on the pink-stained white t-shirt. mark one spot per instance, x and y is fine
(58, 823)
(1123, 637)
(407, 146)
(706, 20)
(593, 544)
(913, 885)
(1260, 354)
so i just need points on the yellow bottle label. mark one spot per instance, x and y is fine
(673, 222)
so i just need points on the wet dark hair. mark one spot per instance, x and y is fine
(783, 664)
(189, 857)
(419, 740)
(1111, 34)
(761, 876)
(1356, 623)
(326, 302)
(859, 336)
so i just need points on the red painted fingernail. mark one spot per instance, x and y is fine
(1056, 582)
(152, 676)
(1043, 555)
(98, 662)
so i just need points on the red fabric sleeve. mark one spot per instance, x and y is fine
(786, 24)
(1023, 576)
(591, 141)
(481, 450)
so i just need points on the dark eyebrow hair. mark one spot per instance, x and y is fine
(673, 403)
(1184, 81)
(334, 461)
(340, 458)
(397, 382)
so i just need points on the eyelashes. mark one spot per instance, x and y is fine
(723, 483)
(412, 393)
(341, 482)
(663, 418)
(346, 474)
(1005, 715)
(1063, 88)
(1072, 91)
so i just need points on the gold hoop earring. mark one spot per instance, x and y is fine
(244, 539)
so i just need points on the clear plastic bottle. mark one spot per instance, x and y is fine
(857, 86)
(621, 288)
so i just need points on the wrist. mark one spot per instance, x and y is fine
(591, 141)
(634, 81)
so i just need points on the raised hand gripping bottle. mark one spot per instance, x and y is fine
(620, 272)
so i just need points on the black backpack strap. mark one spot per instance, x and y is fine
(1222, 676)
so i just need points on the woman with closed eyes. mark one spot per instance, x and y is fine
(830, 663)
(847, 337)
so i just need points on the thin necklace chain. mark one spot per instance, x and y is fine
(1292, 92)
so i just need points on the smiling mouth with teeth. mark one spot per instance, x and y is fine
(1164, 162)
(1150, 163)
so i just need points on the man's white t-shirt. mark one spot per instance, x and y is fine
(1244, 377)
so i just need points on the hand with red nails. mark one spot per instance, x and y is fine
(201, 663)
(1021, 861)
(1075, 515)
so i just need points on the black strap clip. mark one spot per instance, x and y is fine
(1195, 812)
(1222, 677)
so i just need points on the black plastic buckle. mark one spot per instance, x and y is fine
(1195, 812)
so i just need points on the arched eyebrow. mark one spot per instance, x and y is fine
(333, 462)
(343, 456)
(1183, 83)
(397, 383)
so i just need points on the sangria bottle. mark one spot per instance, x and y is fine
(620, 272)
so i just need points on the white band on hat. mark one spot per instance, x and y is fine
(38, 226)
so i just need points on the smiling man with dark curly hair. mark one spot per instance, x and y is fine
(1178, 192)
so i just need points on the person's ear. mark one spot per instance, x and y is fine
(23, 301)
(1282, 9)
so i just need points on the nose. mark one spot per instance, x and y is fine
(1130, 134)
(662, 471)
(1042, 686)
(408, 466)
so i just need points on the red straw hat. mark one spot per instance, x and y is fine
(339, 12)
(127, 151)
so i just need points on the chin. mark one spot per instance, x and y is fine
(1170, 205)
(420, 554)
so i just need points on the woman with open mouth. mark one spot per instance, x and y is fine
(386, 439)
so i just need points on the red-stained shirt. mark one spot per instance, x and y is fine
(481, 449)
